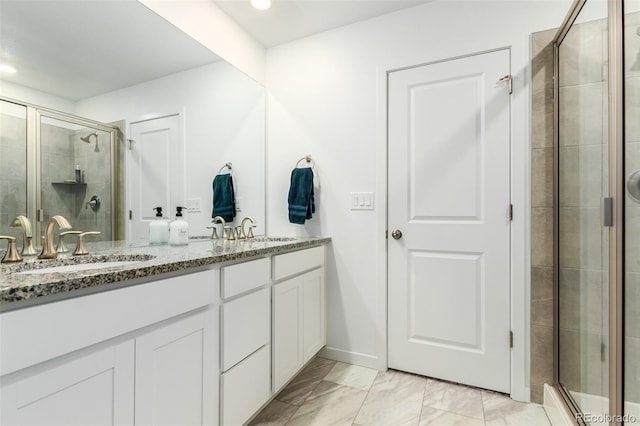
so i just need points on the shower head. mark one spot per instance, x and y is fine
(87, 139)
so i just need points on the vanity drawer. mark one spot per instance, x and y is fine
(245, 388)
(246, 325)
(288, 264)
(237, 279)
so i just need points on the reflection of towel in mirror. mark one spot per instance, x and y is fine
(224, 204)
(301, 201)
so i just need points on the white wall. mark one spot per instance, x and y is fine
(36, 97)
(223, 113)
(325, 100)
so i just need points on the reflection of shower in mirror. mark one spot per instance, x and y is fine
(87, 139)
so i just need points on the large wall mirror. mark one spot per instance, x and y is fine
(85, 67)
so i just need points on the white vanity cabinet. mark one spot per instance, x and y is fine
(245, 337)
(299, 323)
(134, 355)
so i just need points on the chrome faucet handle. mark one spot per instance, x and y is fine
(214, 232)
(60, 247)
(11, 255)
(81, 249)
(27, 235)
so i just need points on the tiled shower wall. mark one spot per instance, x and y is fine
(13, 180)
(541, 213)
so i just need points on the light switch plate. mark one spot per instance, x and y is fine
(193, 204)
(362, 201)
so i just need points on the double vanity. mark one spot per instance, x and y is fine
(201, 334)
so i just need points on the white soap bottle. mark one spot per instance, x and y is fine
(158, 229)
(179, 230)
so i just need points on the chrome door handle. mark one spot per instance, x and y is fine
(396, 234)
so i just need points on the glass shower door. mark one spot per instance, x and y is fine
(76, 174)
(632, 209)
(582, 175)
(13, 166)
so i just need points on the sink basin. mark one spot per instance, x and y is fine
(78, 267)
(78, 264)
(270, 239)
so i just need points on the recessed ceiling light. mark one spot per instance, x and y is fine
(7, 69)
(261, 4)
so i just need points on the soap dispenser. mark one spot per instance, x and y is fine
(179, 230)
(158, 229)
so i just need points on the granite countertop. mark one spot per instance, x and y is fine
(138, 261)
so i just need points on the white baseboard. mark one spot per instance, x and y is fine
(554, 407)
(352, 358)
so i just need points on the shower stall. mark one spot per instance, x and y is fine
(597, 211)
(54, 163)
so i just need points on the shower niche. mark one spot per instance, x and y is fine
(58, 164)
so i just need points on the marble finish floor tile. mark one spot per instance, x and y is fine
(333, 393)
(297, 391)
(395, 398)
(501, 410)
(432, 417)
(352, 375)
(275, 414)
(463, 400)
(329, 404)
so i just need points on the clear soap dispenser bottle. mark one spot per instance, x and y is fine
(179, 230)
(158, 229)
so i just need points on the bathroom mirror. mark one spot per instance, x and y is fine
(118, 61)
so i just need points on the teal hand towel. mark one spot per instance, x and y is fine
(301, 198)
(224, 204)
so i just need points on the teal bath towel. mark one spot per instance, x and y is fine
(301, 199)
(224, 203)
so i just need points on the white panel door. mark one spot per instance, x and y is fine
(448, 300)
(156, 172)
(93, 389)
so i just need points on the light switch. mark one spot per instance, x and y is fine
(193, 204)
(362, 201)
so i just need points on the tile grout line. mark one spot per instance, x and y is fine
(365, 399)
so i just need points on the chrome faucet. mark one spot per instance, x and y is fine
(214, 234)
(48, 251)
(27, 235)
(244, 235)
(11, 255)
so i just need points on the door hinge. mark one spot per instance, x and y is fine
(386, 234)
(130, 214)
(510, 339)
(131, 142)
(509, 79)
(510, 211)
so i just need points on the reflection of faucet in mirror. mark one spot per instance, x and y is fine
(48, 251)
(214, 234)
(250, 233)
(27, 235)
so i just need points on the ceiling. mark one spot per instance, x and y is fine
(77, 49)
(289, 20)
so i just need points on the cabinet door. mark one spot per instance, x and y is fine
(174, 379)
(91, 388)
(314, 329)
(287, 330)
